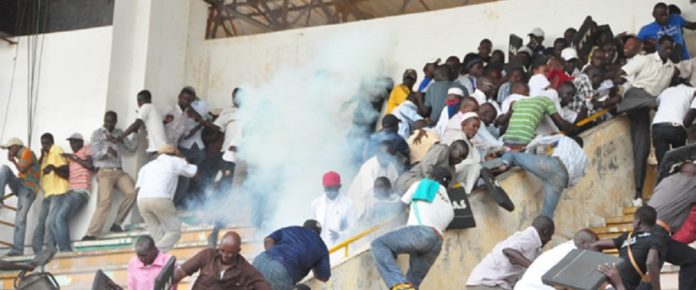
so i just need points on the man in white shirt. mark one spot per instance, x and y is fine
(431, 212)
(452, 105)
(486, 93)
(531, 280)
(506, 263)
(150, 119)
(228, 122)
(670, 122)
(407, 113)
(649, 75)
(518, 92)
(382, 164)
(334, 211)
(557, 160)
(156, 185)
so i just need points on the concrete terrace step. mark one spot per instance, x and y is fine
(622, 220)
(629, 210)
(126, 239)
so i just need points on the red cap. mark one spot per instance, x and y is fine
(331, 178)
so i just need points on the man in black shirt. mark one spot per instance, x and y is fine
(646, 244)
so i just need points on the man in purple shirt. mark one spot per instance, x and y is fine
(146, 265)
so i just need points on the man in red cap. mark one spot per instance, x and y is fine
(334, 210)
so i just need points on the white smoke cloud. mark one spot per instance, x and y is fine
(296, 126)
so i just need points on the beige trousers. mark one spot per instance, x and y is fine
(107, 180)
(161, 221)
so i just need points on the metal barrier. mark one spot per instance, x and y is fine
(346, 243)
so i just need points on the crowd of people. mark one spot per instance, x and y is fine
(467, 119)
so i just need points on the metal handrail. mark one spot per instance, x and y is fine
(592, 117)
(346, 243)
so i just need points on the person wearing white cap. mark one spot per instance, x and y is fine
(437, 92)
(452, 104)
(536, 41)
(25, 185)
(54, 183)
(156, 185)
(80, 167)
(572, 61)
(184, 131)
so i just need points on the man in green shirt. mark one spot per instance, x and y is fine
(526, 115)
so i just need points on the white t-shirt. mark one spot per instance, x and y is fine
(673, 104)
(531, 280)
(508, 101)
(159, 177)
(437, 214)
(201, 107)
(537, 83)
(228, 123)
(154, 126)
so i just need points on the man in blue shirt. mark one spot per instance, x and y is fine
(290, 253)
(666, 24)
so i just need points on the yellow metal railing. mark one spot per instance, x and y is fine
(346, 243)
(592, 117)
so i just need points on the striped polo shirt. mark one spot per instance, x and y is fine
(526, 116)
(80, 177)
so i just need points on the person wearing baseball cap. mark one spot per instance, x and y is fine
(334, 210)
(24, 185)
(399, 93)
(536, 41)
(80, 167)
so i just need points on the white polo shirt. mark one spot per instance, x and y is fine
(673, 104)
(531, 280)
(156, 137)
(437, 214)
(159, 177)
(649, 72)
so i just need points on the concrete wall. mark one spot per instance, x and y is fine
(601, 193)
(412, 40)
(72, 84)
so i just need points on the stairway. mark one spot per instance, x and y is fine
(75, 270)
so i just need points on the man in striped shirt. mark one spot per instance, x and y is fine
(526, 115)
(80, 177)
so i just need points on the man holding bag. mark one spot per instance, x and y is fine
(430, 213)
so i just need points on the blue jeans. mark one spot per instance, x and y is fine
(274, 272)
(25, 198)
(422, 244)
(42, 232)
(549, 169)
(72, 202)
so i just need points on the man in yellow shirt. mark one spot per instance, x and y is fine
(399, 94)
(54, 183)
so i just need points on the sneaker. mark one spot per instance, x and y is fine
(116, 229)
(89, 238)
(638, 202)
(403, 286)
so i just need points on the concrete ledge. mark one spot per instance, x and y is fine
(603, 191)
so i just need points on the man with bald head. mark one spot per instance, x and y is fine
(291, 252)
(439, 155)
(531, 280)
(222, 268)
(508, 260)
(146, 265)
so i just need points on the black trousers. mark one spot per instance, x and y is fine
(666, 136)
(637, 104)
